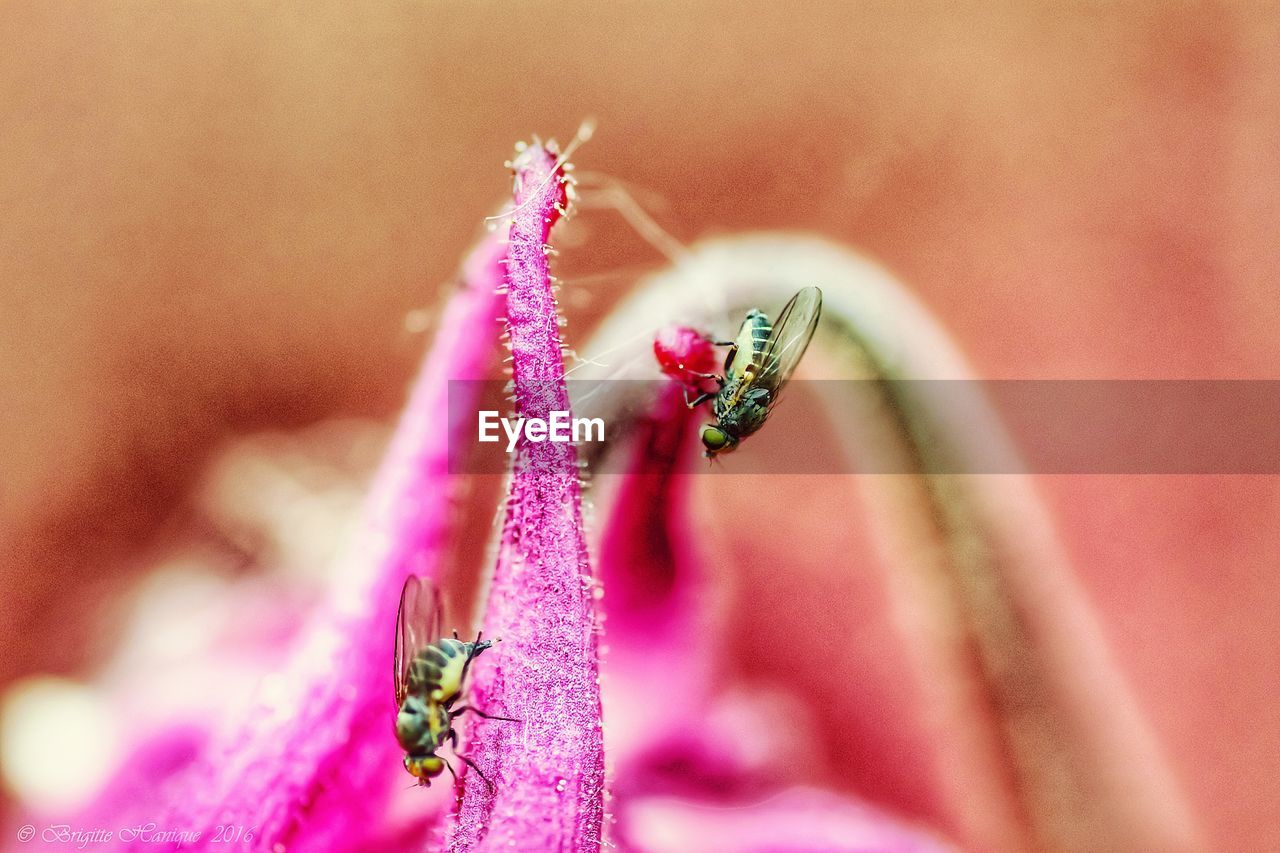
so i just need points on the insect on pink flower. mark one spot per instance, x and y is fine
(314, 763)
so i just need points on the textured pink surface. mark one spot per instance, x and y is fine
(548, 769)
(313, 764)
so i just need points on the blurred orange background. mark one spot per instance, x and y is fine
(215, 219)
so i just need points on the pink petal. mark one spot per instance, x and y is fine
(658, 636)
(313, 764)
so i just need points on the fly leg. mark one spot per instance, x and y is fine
(698, 400)
(472, 655)
(728, 357)
(479, 772)
(480, 713)
(453, 742)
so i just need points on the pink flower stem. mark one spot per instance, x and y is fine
(548, 769)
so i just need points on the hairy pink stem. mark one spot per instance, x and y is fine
(314, 763)
(548, 769)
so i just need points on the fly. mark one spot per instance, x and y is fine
(759, 362)
(429, 676)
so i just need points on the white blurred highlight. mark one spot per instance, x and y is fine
(59, 740)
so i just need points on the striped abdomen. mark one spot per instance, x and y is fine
(438, 669)
(741, 368)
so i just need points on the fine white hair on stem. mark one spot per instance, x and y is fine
(613, 194)
(584, 133)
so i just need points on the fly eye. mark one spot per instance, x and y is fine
(714, 438)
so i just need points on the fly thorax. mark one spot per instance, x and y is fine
(438, 723)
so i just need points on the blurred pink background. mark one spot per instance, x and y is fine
(215, 219)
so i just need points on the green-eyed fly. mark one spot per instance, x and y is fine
(760, 361)
(429, 675)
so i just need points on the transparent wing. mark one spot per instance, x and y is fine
(417, 626)
(788, 340)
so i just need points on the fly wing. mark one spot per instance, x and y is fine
(417, 626)
(788, 340)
